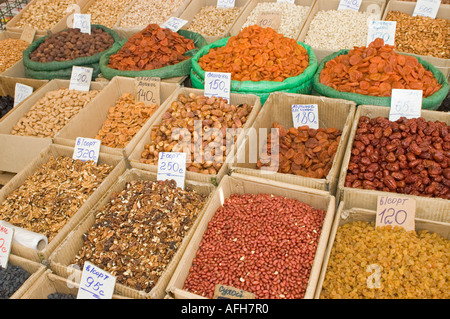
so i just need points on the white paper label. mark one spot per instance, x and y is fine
(21, 92)
(82, 22)
(174, 24)
(86, 149)
(396, 211)
(305, 114)
(218, 84)
(95, 283)
(349, 5)
(80, 79)
(172, 165)
(6, 237)
(427, 8)
(225, 3)
(147, 90)
(407, 103)
(286, 1)
(382, 29)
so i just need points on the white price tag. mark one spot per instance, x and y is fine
(21, 92)
(80, 79)
(396, 211)
(427, 8)
(147, 90)
(174, 24)
(305, 114)
(218, 84)
(349, 5)
(407, 103)
(95, 283)
(86, 149)
(286, 1)
(172, 165)
(225, 3)
(82, 22)
(382, 29)
(6, 237)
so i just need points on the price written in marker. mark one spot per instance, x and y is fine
(269, 19)
(349, 5)
(305, 114)
(95, 283)
(228, 292)
(86, 149)
(174, 24)
(82, 22)
(406, 103)
(147, 90)
(172, 165)
(21, 92)
(396, 211)
(6, 237)
(218, 84)
(225, 3)
(427, 8)
(382, 29)
(80, 79)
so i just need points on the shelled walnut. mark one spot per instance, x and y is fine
(47, 199)
(136, 234)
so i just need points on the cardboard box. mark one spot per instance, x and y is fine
(235, 99)
(33, 268)
(20, 150)
(360, 209)
(126, 32)
(64, 255)
(443, 13)
(59, 26)
(194, 8)
(14, 69)
(431, 205)
(90, 119)
(119, 166)
(8, 87)
(85, 10)
(325, 5)
(335, 113)
(252, 4)
(49, 283)
(240, 184)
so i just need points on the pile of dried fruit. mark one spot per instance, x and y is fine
(257, 54)
(376, 70)
(137, 233)
(387, 263)
(152, 48)
(11, 52)
(124, 120)
(71, 44)
(302, 151)
(408, 156)
(47, 199)
(263, 244)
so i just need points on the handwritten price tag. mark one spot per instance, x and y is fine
(218, 84)
(305, 114)
(174, 24)
(427, 8)
(95, 283)
(82, 22)
(349, 5)
(28, 34)
(80, 79)
(396, 211)
(269, 19)
(147, 90)
(228, 292)
(382, 29)
(21, 92)
(172, 165)
(6, 237)
(225, 3)
(86, 149)
(407, 103)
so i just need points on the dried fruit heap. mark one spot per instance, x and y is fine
(150, 49)
(376, 70)
(257, 54)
